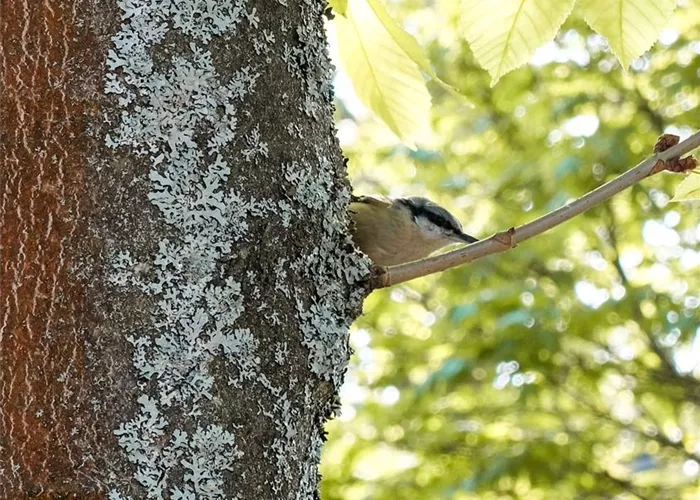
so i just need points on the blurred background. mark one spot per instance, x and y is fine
(568, 367)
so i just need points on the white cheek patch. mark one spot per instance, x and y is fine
(428, 229)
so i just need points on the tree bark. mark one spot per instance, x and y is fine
(177, 280)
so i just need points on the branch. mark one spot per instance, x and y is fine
(505, 240)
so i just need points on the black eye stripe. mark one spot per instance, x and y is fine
(432, 215)
(438, 220)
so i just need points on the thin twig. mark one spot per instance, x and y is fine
(505, 240)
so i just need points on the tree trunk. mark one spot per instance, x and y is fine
(177, 281)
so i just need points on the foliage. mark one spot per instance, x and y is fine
(505, 35)
(630, 27)
(338, 6)
(384, 62)
(567, 367)
(689, 189)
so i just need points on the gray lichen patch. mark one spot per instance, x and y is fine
(252, 281)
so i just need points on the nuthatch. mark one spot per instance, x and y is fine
(395, 231)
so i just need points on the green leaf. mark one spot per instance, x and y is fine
(503, 34)
(385, 77)
(463, 312)
(517, 317)
(689, 188)
(404, 40)
(630, 26)
(567, 166)
(449, 369)
(408, 43)
(338, 6)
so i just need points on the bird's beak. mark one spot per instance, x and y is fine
(466, 238)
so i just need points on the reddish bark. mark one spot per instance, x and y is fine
(42, 154)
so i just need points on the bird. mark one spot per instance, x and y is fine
(393, 231)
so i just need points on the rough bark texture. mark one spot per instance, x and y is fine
(176, 281)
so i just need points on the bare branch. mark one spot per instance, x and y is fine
(505, 240)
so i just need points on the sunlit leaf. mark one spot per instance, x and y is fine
(688, 189)
(630, 26)
(384, 76)
(503, 34)
(408, 43)
(338, 6)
